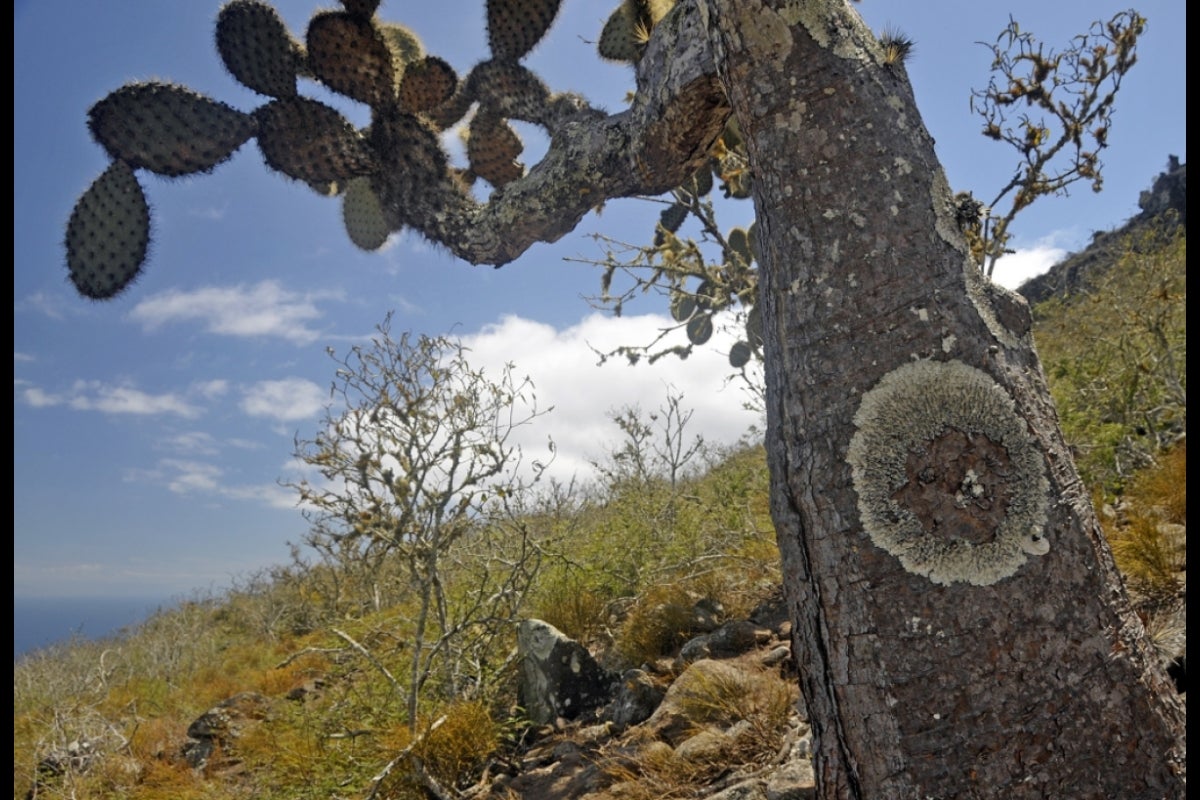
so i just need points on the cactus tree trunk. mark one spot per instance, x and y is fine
(959, 625)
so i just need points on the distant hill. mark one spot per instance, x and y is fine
(1163, 206)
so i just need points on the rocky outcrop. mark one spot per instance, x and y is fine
(1163, 208)
(216, 730)
(559, 677)
(719, 718)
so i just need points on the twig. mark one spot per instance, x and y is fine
(377, 781)
(306, 651)
(367, 654)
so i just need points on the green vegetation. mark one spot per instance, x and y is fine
(1116, 354)
(671, 521)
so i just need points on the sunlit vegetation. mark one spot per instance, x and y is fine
(670, 521)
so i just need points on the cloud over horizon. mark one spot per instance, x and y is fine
(262, 309)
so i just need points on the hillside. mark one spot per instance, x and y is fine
(1163, 211)
(296, 683)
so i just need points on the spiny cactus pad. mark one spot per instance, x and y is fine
(683, 306)
(408, 145)
(257, 49)
(108, 234)
(700, 329)
(404, 44)
(673, 216)
(349, 55)
(739, 243)
(508, 89)
(361, 8)
(516, 26)
(492, 149)
(427, 84)
(754, 326)
(167, 129)
(618, 39)
(363, 216)
(625, 33)
(312, 142)
(739, 355)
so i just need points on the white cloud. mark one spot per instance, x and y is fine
(123, 399)
(268, 494)
(192, 476)
(283, 400)
(54, 306)
(40, 399)
(1015, 268)
(564, 370)
(211, 389)
(19, 356)
(197, 442)
(265, 309)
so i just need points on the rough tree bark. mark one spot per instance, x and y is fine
(906, 405)
(959, 624)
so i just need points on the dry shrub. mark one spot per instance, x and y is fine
(1150, 544)
(577, 611)
(655, 772)
(1151, 554)
(757, 701)
(760, 697)
(456, 750)
(453, 753)
(1163, 487)
(657, 623)
(160, 738)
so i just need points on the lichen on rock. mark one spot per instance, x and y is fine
(948, 478)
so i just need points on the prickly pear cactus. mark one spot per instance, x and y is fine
(393, 173)
(257, 49)
(108, 234)
(628, 28)
(167, 129)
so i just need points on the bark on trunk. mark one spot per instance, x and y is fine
(918, 472)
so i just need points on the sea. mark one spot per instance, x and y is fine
(42, 621)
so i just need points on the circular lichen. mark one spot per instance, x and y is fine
(948, 479)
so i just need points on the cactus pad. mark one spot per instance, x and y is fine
(310, 141)
(404, 44)
(683, 306)
(700, 329)
(516, 26)
(509, 89)
(739, 243)
(257, 49)
(492, 149)
(754, 326)
(108, 234)
(348, 54)
(167, 129)
(628, 29)
(361, 8)
(363, 216)
(739, 355)
(619, 39)
(408, 145)
(427, 84)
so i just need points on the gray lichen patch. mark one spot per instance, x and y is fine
(948, 479)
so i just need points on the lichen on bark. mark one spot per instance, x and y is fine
(948, 479)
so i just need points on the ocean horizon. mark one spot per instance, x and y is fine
(39, 622)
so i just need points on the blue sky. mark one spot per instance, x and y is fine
(150, 431)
